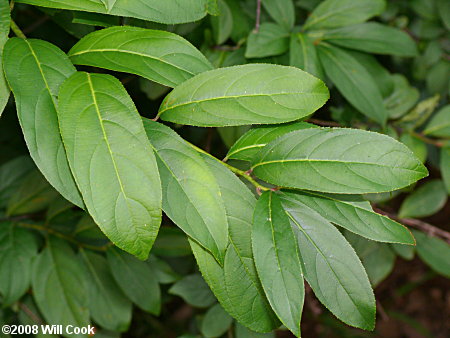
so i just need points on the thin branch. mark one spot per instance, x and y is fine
(425, 139)
(17, 30)
(258, 15)
(324, 123)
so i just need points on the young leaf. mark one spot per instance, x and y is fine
(163, 57)
(282, 11)
(445, 167)
(373, 37)
(167, 11)
(331, 267)
(216, 322)
(338, 13)
(35, 69)
(425, 201)
(137, 281)
(222, 24)
(434, 252)
(439, 124)
(107, 304)
(365, 161)
(248, 146)
(277, 261)
(248, 94)
(191, 195)
(303, 55)
(353, 81)
(11, 175)
(18, 247)
(194, 291)
(5, 19)
(60, 285)
(271, 39)
(355, 214)
(111, 160)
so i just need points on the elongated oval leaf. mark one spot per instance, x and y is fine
(338, 13)
(356, 215)
(277, 260)
(331, 267)
(434, 252)
(111, 159)
(5, 20)
(191, 195)
(353, 81)
(167, 11)
(439, 124)
(303, 55)
(216, 322)
(271, 39)
(248, 146)
(159, 56)
(222, 24)
(59, 285)
(338, 160)
(425, 201)
(282, 11)
(236, 284)
(444, 165)
(35, 70)
(194, 291)
(248, 94)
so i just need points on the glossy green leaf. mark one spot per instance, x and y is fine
(433, 251)
(444, 164)
(338, 160)
(418, 147)
(4, 31)
(168, 11)
(216, 322)
(428, 199)
(331, 267)
(439, 124)
(136, 279)
(271, 39)
(248, 146)
(111, 160)
(11, 175)
(222, 24)
(353, 81)
(277, 261)
(194, 291)
(303, 55)
(339, 13)
(355, 214)
(373, 37)
(248, 94)
(107, 304)
(60, 285)
(159, 56)
(18, 247)
(282, 11)
(402, 98)
(35, 70)
(236, 284)
(191, 195)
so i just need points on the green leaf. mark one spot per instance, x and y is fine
(439, 124)
(444, 12)
(136, 279)
(355, 214)
(171, 242)
(437, 78)
(230, 135)
(216, 322)
(425, 201)
(331, 267)
(339, 13)
(242, 332)
(95, 19)
(222, 25)
(404, 251)
(282, 11)
(277, 261)
(338, 160)
(248, 94)
(11, 175)
(111, 160)
(242, 23)
(35, 69)
(191, 195)
(303, 55)
(159, 56)
(60, 285)
(434, 252)
(236, 284)
(373, 37)
(107, 304)
(445, 167)
(164, 273)
(271, 39)
(402, 98)
(5, 20)
(418, 147)
(353, 81)
(194, 291)
(17, 249)
(168, 11)
(248, 146)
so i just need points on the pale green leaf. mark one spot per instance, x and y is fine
(248, 94)
(435, 252)
(418, 147)
(108, 4)
(222, 24)
(191, 195)
(303, 55)
(425, 201)
(4, 31)
(271, 39)
(194, 291)
(445, 167)
(216, 322)
(159, 56)
(439, 124)
(277, 261)
(282, 11)
(338, 160)
(35, 70)
(111, 159)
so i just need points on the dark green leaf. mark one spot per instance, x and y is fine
(433, 251)
(445, 167)
(4, 31)
(444, 11)
(271, 39)
(282, 11)
(171, 242)
(216, 322)
(439, 124)
(402, 98)
(303, 55)
(194, 291)
(11, 175)
(425, 201)
(222, 25)
(404, 251)
(162, 270)
(230, 135)
(111, 160)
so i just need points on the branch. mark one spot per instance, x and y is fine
(258, 15)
